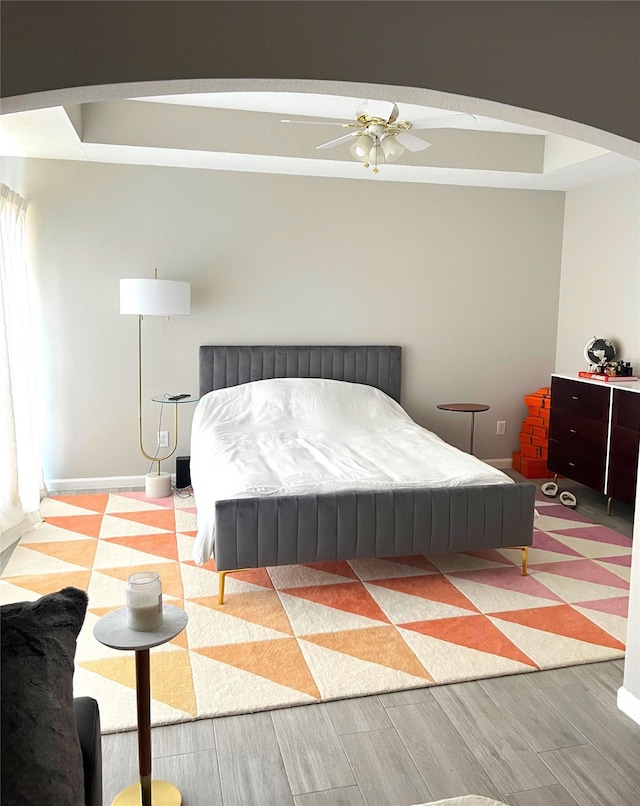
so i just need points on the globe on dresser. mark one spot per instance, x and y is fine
(599, 351)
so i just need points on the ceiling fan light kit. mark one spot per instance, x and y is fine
(381, 137)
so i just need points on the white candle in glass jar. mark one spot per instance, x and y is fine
(144, 601)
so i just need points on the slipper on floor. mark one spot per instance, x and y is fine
(568, 499)
(550, 489)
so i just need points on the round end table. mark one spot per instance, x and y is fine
(467, 407)
(113, 631)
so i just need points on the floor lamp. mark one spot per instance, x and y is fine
(154, 298)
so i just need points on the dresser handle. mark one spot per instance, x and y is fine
(572, 464)
(572, 431)
(575, 397)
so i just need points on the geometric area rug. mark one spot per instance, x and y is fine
(298, 634)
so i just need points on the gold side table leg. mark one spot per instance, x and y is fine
(147, 792)
(162, 794)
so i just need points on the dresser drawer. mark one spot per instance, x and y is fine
(574, 429)
(623, 464)
(577, 462)
(626, 410)
(586, 399)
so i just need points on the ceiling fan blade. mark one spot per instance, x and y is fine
(411, 143)
(317, 122)
(338, 140)
(378, 109)
(443, 121)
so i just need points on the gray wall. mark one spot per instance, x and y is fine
(576, 60)
(465, 279)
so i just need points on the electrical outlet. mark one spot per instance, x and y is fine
(501, 428)
(163, 439)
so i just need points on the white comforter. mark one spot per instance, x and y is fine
(297, 435)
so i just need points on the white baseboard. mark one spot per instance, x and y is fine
(99, 483)
(629, 704)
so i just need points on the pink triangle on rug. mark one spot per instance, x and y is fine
(560, 511)
(624, 560)
(599, 534)
(617, 606)
(546, 542)
(508, 579)
(585, 570)
(140, 496)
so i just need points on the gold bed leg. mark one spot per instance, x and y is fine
(525, 556)
(222, 575)
(609, 505)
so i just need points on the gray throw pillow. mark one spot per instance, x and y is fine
(41, 756)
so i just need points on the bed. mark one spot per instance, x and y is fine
(260, 506)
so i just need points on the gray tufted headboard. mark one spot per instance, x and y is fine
(378, 366)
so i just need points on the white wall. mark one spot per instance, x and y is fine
(600, 296)
(600, 282)
(465, 279)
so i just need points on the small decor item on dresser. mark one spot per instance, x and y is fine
(144, 601)
(604, 378)
(599, 352)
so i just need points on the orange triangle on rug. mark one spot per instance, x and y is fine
(162, 545)
(78, 552)
(561, 620)
(171, 680)
(340, 568)
(96, 502)
(434, 587)
(382, 645)
(279, 660)
(260, 607)
(156, 518)
(350, 597)
(474, 632)
(49, 583)
(82, 524)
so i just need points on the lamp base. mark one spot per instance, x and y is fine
(157, 485)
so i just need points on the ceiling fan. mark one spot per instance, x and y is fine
(379, 136)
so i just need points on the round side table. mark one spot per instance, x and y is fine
(112, 631)
(468, 407)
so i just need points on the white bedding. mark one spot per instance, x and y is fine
(292, 436)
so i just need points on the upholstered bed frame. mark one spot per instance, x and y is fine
(260, 532)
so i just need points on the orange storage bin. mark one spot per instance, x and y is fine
(530, 468)
(533, 400)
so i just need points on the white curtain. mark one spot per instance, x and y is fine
(21, 479)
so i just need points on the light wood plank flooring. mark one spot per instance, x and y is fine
(553, 738)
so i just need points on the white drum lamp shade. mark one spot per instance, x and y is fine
(155, 297)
